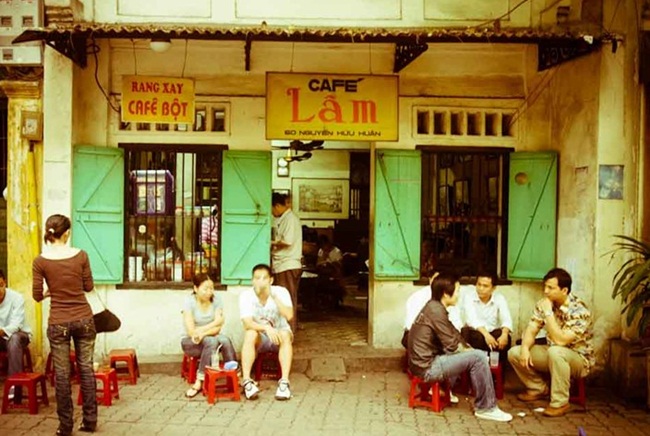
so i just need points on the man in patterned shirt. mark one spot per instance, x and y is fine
(569, 352)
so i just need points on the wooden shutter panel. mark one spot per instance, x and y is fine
(532, 216)
(98, 209)
(246, 214)
(397, 214)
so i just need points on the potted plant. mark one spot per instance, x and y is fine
(632, 284)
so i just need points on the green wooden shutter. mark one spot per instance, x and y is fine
(246, 214)
(98, 209)
(532, 214)
(397, 214)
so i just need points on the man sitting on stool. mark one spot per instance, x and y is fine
(487, 317)
(437, 350)
(14, 333)
(569, 352)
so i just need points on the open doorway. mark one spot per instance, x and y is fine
(330, 192)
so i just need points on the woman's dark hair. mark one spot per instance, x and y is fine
(200, 278)
(445, 283)
(55, 226)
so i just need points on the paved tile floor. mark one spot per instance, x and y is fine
(365, 404)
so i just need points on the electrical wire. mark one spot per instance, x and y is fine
(185, 59)
(94, 49)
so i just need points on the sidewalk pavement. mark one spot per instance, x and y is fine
(373, 403)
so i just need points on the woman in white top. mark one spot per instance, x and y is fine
(203, 320)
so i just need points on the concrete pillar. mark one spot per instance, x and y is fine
(22, 96)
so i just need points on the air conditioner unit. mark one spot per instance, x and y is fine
(15, 17)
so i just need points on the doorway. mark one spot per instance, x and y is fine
(333, 293)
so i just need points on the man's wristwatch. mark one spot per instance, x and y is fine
(548, 313)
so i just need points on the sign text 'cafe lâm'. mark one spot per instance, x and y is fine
(147, 99)
(331, 107)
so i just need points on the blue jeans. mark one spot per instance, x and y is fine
(83, 334)
(14, 348)
(450, 366)
(206, 348)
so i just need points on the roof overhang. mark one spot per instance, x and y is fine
(71, 39)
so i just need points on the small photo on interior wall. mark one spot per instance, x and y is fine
(610, 182)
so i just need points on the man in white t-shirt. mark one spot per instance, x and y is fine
(266, 312)
(487, 318)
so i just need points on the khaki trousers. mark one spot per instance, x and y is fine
(561, 362)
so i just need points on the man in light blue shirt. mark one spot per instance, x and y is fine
(14, 333)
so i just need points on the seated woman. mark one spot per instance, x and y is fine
(203, 319)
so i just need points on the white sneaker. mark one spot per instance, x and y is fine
(250, 389)
(283, 392)
(453, 399)
(494, 414)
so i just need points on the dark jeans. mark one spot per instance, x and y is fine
(290, 279)
(14, 348)
(476, 339)
(83, 334)
(206, 348)
(450, 366)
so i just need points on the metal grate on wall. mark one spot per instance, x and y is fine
(463, 122)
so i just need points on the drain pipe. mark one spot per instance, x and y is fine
(34, 240)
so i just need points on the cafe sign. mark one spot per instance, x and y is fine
(332, 107)
(148, 99)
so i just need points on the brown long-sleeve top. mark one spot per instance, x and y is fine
(431, 334)
(67, 279)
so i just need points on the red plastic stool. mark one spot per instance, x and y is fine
(27, 361)
(267, 365)
(419, 393)
(28, 380)
(109, 389)
(577, 392)
(126, 355)
(49, 368)
(188, 368)
(228, 390)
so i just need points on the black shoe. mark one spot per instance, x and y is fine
(88, 428)
(63, 432)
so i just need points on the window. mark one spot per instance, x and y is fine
(172, 204)
(463, 210)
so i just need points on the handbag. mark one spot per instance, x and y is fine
(105, 321)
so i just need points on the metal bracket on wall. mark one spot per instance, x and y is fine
(551, 53)
(72, 46)
(407, 52)
(247, 52)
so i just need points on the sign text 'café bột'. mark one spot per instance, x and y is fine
(331, 107)
(147, 99)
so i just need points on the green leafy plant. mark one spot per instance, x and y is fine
(632, 281)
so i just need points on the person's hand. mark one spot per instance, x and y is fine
(273, 334)
(503, 341)
(490, 341)
(525, 359)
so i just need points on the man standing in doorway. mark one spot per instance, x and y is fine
(286, 249)
(569, 353)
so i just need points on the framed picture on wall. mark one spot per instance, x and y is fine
(321, 198)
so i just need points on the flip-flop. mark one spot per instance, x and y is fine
(191, 392)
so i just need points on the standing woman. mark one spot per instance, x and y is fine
(203, 319)
(66, 271)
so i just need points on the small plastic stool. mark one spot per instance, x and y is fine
(188, 368)
(29, 382)
(419, 393)
(267, 365)
(27, 361)
(109, 389)
(49, 368)
(127, 356)
(577, 392)
(214, 391)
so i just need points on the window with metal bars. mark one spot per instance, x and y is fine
(464, 210)
(172, 204)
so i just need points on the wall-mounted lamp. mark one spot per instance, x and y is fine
(160, 45)
(562, 14)
(283, 167)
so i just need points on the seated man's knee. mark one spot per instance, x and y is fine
(250, 336)
(513, 353)
(14, 342)
(286, 337)
(556, 352)
(210, 341)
